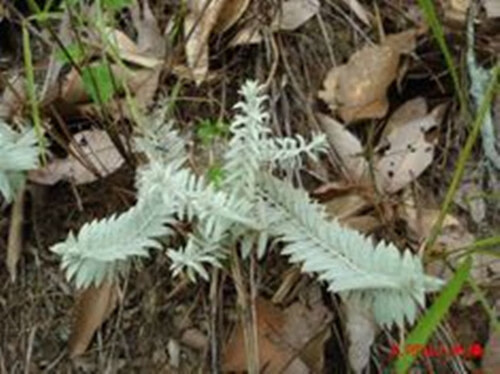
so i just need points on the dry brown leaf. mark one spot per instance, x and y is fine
(294, 13)
(346, 206)
(195, 339)
(492, 8)
(248, 34)
(198, 25)
(469, 197)
(366, 224)
(13, 99)
(359, 11)
(270, 320)
(94, 148)
(403, 42)
(410, 111)
(283, 338)
(456, 10)
(230, 13)
(150, 40)
(357, 89)
(361, 329)
(129, 51)
(422, 220)
(50, 88)
(92, 308)
(346, 147)
(409, 151)
(306, 331)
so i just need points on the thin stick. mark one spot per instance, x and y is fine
(251, 344)
(15, 241)
(214, 338)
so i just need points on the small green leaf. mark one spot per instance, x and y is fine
(75, 52)
(98, 82)
(420, 335)
(208, 130)
(215, 175)
(115, 5)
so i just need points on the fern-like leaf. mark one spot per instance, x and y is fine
(388, 282)
(18, 153)
(102, 246)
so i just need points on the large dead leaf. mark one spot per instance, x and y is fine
(366, 224)
(456, 10)
(492, 8)
(346, 147)
(198, 25)
(92, 308)
(97, 157)
(359, 11)
(346, 206)
(294, 13)
(286, 339)
(357, 89)
(230, 13)
(408, 151)
(132, 52)
(291, 15)
(411, 110)
(360, 329)
(421, 220)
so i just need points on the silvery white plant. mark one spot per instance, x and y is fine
(18, 154)
(248, 209)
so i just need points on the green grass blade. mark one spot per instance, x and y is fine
(31, 88)
(420, 335)
(464, 156)
(429, 11)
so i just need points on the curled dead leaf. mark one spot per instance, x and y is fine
(346, 206)
(230, 13)
(411, 110)
(294, 13)
(361, 330)
(359, 11)
(92, 308)
(492, 8)
(456, 10)
(366, 224)
(198, 25)
(291, 15)
(357, 89)
(346, 147)
(131, 52)
(407, 152)
(98, 156)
